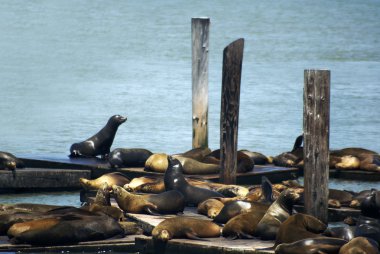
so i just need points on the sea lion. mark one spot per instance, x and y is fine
(233, 191)
(114, 178)
(264, 193)
(360, 245)
(157, 162)
(196, 153)
(277, 213)
(244, 162)
(174, 180)
(232, 209)
(65, 229)
(369, 160)
(368, 227)
(299, 226)
(370, 206)
(346, 162)
(131, 228)
(101, 142)
(136, 183)
(10, 162)
(293, 158)
(180, 227)
(325, 245)
(169, 202)
(26, 208)
(194, 167)
(344, 197)
(258, 158)
(128, 157)
(345, 232)
(358, 198)
(244, 224)
(210, 207)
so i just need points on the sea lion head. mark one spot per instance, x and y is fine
(118, 191)
(116, 120)
(174, 164)
(11, 165)
(164, 235)
(85, 183)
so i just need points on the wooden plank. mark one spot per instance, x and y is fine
(229, 114)
(316, 125)
(37, 179)
(200, 44)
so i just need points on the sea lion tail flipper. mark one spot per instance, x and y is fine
(192, 235)
(298, 142)
(245, 236)
(267, 189)
(151, 209)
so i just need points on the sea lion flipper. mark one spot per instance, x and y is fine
(245, 236)
(152, 209)
(192, 235)
(267, 189)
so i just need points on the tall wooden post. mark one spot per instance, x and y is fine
(316, 127)
(200, 44)
(229, 114)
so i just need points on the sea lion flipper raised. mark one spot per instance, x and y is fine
(266, 187)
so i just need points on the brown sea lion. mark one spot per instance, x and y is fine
(167, 202)
(10, 162)
(114, 178)
(232, 209)
(244, 224)
(293, 158)
(277, 213)
(244, 162)
(174, 180)
(101, 142)
(233, 191)
(360, 245)
(299, 226)
(210, 207)
(347, 162)
(194, 167)
(26, 208)
(128, 157)
(157, 162)
(131, 228)
(185, 227)
(196, 153)
(137, 182)
(320, 245)
(65, 229)
(258, 158)
(369, 160)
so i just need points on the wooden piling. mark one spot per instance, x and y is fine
(200, 44)
(229, 114)
(316, 125)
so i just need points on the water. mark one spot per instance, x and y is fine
(66, 66)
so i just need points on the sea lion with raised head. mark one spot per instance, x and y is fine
(276, 214)
(128, 157)
(168, 202)
(185, 227)
(299, 226)
(174, 180)
(320, 245)
(114, 178)
(101, 142)
(10, 162)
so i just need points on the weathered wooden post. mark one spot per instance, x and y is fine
(316, 127)
(229, 114)
(200, 43)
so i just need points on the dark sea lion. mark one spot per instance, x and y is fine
(258, 158)
(345, 232)
(360, 245)
(114, 178)
(128, 157)
(368, 227)
(370, 206)
(299, 226)
(174, 180)
(10, 162)
(264, 193)
(169, 202)
(65, 229)
(244, 224)
(232, 209)
(210, 207)
(157, 162)
(293, 158)
(244, 162)
(185, 227)
(233, 191)
(320, 245)
(342, 196)
(358, 198)
(276, 214)
(131, 228)
(101, 142)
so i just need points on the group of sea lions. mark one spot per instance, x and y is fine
(352, 158)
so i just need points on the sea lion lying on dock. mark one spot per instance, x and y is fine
(244, 162)
(128, 157)
(101, 142)
(114, 178)
(293, 158)
(10, 162)
(258, 158)
(210, 207)
(368, 160)
(185, 227)
(168, 202)
(326, 245)
(360, 245)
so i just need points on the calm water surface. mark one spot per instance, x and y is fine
(66, 66)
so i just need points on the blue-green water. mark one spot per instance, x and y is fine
(66, 66)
